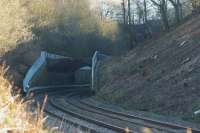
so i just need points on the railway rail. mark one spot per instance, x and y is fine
(157, 123)
(39, 94)
(68, 100)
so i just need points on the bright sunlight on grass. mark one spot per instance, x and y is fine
(14, 117)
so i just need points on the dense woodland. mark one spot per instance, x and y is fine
(78, 28)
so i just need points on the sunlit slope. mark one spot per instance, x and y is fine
(160, 76)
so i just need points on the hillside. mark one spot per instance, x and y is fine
(161, 76)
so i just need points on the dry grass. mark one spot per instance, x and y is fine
(14, 116)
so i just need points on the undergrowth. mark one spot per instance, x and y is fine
(14, 117)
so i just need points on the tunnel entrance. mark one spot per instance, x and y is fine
(52, 70)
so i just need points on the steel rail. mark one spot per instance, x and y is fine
(53, 92)
(66, 120)
(158, 122)
(59, 106)
(143, 123)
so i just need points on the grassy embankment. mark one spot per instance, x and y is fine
(160, 76)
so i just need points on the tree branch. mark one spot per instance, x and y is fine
(155, 3)
(173, 2)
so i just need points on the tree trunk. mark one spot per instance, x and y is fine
(163, 11)
(124, 11)
(145, 11)
(178, 10)
(181, 11)
(130, 26)
(177, 14)
(129, 12)
(147, 29)
(162, 6)
(165, 21)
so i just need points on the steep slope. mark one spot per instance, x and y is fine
(162, 76)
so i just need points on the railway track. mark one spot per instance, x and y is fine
(69, 101)
(154, 122)
(39, 94)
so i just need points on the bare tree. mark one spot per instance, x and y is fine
(162, 6)
(178, 9)
(128, 23)
(148, 30)
(132, 35)
(129, 12)
(145, 11)
(139, 11)
(124, 11)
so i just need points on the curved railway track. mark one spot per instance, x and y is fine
(69, 101)
(39, 94)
